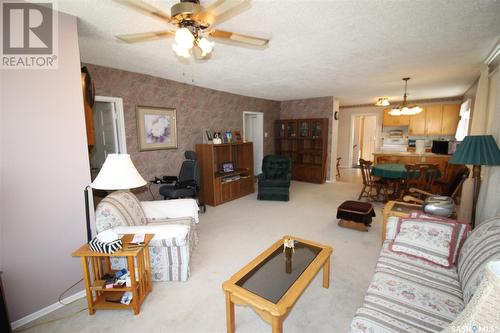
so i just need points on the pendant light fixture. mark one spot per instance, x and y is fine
(404, 109)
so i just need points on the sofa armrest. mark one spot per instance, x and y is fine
(177, 232)
(165, 209)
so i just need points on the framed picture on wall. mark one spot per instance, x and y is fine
(156, 128)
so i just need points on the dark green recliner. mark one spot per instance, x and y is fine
(274, 181)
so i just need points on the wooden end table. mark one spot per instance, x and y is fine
(399, 209)
(274, 281)
(99, 263)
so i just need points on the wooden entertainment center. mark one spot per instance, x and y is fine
(305, 141)
(218, 187)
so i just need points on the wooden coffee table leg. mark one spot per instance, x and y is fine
(326, 273)
(229, 313)
(277, 325)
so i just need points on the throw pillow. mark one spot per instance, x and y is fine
(463, 229)
(429, 240)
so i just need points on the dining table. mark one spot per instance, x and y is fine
(395, 173)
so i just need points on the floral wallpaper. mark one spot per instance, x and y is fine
(197, 108)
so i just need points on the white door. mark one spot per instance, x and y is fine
(356, 141)
(369, 137)
(254, 132)
(105, 131)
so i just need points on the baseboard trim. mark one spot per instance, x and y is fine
(46, 310)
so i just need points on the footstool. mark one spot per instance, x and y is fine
(355, 214)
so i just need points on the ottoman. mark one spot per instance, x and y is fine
(355, 214)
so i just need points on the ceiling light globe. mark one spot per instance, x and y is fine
(184, 38)
(206, 46)
(181, 51)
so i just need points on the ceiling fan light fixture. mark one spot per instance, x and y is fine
(206, 46)
(383, 101)
(184, 38)
(181, 51)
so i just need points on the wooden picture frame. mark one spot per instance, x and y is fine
(156, 128)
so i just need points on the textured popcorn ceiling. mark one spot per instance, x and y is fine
(355, 50)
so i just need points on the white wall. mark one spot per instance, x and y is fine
(345, 130)
(44, 169)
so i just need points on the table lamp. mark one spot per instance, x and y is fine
(476, 150)
(117, 173)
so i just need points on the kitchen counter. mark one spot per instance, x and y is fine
(403, 157)
(410, 154)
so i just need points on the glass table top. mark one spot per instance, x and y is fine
(276, 274)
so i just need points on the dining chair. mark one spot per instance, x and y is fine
(450, 189)
(370, 183)
(420, 176)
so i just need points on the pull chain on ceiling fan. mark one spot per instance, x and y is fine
(192, 24)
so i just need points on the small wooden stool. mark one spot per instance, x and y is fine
(355, 215)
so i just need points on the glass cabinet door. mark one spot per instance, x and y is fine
(304, 128)
(316, 129)
(291, 130)
(280, 129)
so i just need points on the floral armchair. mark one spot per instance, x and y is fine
(173, 222)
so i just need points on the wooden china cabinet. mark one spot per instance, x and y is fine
(305, 141)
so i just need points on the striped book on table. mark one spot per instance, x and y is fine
(110, 247)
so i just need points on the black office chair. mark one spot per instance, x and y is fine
(187, 184)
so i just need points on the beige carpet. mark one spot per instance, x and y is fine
(230, 236)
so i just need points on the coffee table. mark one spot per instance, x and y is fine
(274, 280)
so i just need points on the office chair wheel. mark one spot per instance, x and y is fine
(203, 208)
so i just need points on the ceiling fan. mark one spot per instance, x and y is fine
(192, 24)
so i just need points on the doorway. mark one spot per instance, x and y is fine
(364, 131)
(109, 131)
(253, 131)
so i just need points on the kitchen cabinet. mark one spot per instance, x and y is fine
(390, 120)
(451, 116)
(433, 119)
(438, 119)
(417, 124)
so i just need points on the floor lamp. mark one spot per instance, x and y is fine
(117, 173)
(477, 150)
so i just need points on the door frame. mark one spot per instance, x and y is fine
(351, 136)
(260, 115)
(120, 121)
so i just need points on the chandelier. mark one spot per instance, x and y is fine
(404, 109)
(187, 39)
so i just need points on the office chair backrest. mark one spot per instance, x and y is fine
(190, 169)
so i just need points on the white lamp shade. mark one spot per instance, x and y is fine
(118, 173)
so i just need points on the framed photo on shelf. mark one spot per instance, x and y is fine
(236, 136)
(207, 135)
(156, 128)
(228, 137)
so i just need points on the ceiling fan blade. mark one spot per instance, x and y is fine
(145, 36)
(223, 10)
(146, 8)
(239, 38)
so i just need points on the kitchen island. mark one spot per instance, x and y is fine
(380, 157)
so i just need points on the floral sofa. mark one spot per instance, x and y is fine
(172, 221)
(408, 294)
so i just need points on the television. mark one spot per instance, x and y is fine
(227, 167)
